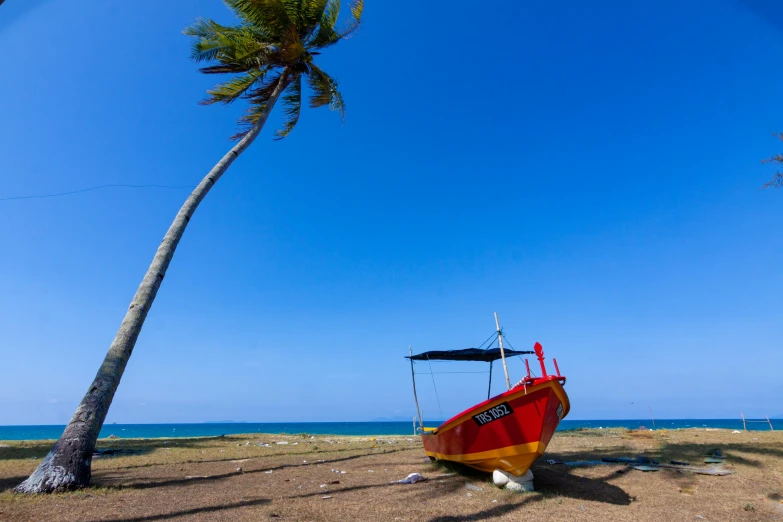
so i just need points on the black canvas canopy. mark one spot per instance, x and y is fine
(468, 354)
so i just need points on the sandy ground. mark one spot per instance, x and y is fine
(201, 479)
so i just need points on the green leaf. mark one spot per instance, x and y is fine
(270, 16)
(326, 35)
(259, 100)
(325, 91)
(235, 88)
(292, 107)
(357, 7)
(313, 12)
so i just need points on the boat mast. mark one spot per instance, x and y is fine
(502, 353)
(415, 398)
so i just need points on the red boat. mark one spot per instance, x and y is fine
(506, 432)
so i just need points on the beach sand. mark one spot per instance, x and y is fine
(198, 479)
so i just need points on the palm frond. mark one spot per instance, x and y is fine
(270, 16)
(210, 39)
(313, 11)
(224, 69)
(259, 98)
(292, 107)
(325, 91)
(777, 179)
(357, 8)
(775, 182)
(326, 35)
(235, 88)
(240, 44)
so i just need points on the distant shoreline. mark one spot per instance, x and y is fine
(370, 428)
(608, 429)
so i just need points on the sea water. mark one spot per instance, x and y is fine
(148, 431)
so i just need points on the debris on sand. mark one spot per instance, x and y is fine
(412, 479)
(643, 467)
(701, 471)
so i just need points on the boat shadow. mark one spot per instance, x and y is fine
(557, 480)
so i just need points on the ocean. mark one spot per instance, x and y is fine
(148, 431)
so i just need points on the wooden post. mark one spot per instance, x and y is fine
(502, 353)
(489, 389)
(744, 424)
(770, 423)
(415, 398)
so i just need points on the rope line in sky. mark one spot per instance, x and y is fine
(119, 185)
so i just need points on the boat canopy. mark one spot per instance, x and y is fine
(468, 354)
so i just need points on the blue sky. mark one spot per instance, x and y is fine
(589, 170)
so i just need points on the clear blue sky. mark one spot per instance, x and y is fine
(589, 170)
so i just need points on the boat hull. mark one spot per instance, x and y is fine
(507, 432)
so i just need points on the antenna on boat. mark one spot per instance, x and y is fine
(415, 398)
(502, 353)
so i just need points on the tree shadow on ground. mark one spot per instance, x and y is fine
(486, 514)
(106, 480)
(255, 457)
(26, 450)
(193, 511)
(8, 483)
(38, 449)
(695, 452)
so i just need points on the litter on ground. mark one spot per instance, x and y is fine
(412, 479)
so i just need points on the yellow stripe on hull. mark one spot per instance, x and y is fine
(514, 459)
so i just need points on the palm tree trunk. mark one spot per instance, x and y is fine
(67, 465)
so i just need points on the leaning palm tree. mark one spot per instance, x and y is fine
(270, 52)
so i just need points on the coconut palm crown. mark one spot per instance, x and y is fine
(275, 43)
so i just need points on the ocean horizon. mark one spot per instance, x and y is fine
(213, 429)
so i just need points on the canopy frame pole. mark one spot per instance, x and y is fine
(489, 388)
(415, 397)
(502, 353)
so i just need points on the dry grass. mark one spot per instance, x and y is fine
(197, 479)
